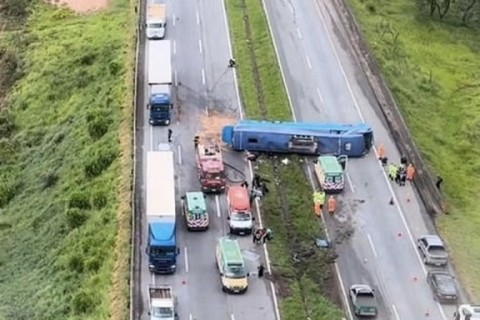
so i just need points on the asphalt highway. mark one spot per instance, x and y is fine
(200, 51)
(374, 240)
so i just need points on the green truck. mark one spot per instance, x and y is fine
(195, 211)
(363, 300)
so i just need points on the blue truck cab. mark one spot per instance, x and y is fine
(160, 107)
(162, 247)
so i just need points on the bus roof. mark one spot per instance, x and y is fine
(330, 164)
(302, 128)
(231, 251)
(196, 202)
(160, 178)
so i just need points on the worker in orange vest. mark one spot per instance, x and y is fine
(332, 204)
(382, 156)
(318, 209)
(410, 172)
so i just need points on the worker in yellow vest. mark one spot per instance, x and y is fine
(318, 200)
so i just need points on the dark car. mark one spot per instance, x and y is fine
(443, 286)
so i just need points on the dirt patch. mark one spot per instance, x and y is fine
(82, 6)
(212, 126)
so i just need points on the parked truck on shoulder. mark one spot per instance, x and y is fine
(160, 198)
(160, 98)
(156, 23)
(211, 170)
(162, 303)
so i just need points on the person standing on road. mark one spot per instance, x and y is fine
(170, 132)
(392, 171)
(261, 270)
(382, 153)
(196, 141)
(410, 172)
(232, 63)
(332, 205)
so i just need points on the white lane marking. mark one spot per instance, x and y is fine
(290, 6)
(319, 94)
(179, 155)
(200, 46)
(175, 77)
(337, 269)
(371, 245)
(232, 317)
(395, 313)
(174, 47)
(350, 183)
(309, 64)
(198, 17)
(203, 76)
(217, 205)
(151, 138)
(174, 18)
(153, 278)
(190, 317)
(185, 252)
(402, 216)
(299, 33)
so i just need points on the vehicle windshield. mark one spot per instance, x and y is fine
(213, 176)
(240, 217)
(334, 178)
(163, 252)
(155, 25)
(162, 313)
(196, 214)
(235, 271)
(436, 249)
(160, 107)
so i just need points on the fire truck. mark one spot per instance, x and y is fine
(211, 170)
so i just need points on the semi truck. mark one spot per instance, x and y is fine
(210, 167)
(156, 21)
(162, 303)
(160, 98)
(160, 202)
(308, 138)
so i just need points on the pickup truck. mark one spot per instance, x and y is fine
(363, 300)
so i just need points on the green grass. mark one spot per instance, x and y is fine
(432, 68)
(303, 288)
(65, 181)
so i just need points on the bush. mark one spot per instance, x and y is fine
(76, 217)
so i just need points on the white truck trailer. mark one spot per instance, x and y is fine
(160, 100)
(162, 303)
(156, 24)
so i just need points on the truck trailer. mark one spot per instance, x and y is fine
(160, 198)
(156, 21)
(160, 98)
(162, 303)
(308, 138)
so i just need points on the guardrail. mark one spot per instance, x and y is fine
(424, 182)
(134, 254)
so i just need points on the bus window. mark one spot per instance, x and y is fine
(252, 140)
(368, 137)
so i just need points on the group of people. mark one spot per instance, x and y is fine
(319, 201)
(398, 173)
(261, 235)
(259, 188)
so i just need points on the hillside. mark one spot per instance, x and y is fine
(65, 129)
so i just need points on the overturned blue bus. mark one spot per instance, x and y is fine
(309, 138)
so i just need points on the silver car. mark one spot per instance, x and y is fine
(433, 251)
(443, 286)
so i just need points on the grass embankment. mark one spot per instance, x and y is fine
(433, 69)
(65, 166)
(288, 209)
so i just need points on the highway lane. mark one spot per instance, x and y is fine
(376, 238)
(200, 54)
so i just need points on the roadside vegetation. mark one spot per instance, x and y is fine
(430, 54)
(65, 161)
(307, 288)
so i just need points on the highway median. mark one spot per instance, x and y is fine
(65, 161)
(302, 272)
